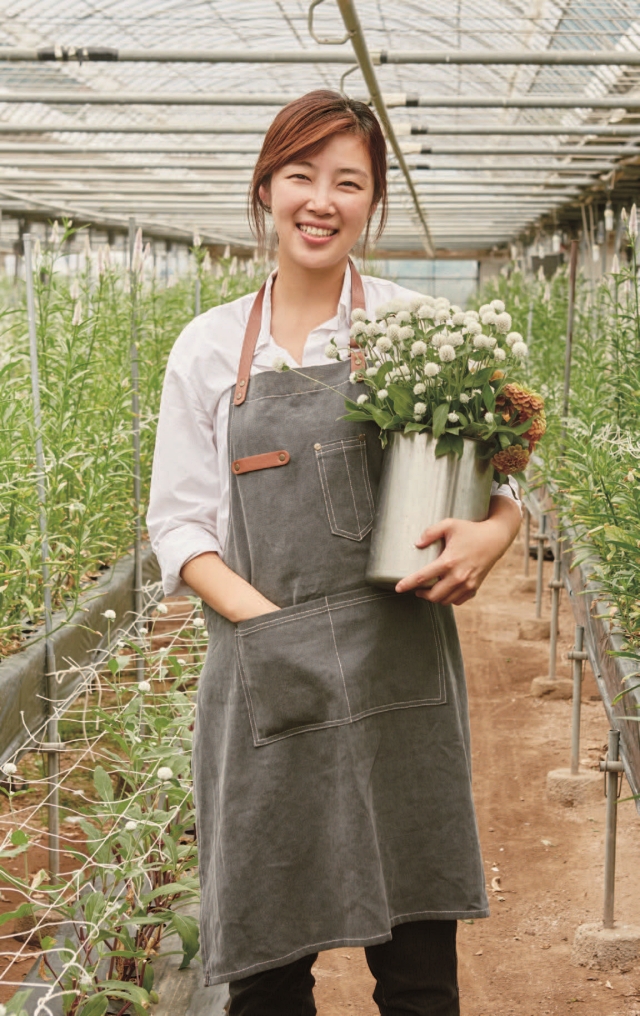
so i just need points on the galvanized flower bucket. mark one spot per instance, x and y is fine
(417, 490)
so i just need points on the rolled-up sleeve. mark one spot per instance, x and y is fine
(509, 489)
(185, 482)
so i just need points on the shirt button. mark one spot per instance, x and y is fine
(317, 446)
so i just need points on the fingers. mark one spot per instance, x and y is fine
(455, 588)
(423, 578)
(439, 531)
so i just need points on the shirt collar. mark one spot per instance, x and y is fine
(341, 318)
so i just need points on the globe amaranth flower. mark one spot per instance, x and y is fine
(403, 371)
(372, 329)
(358, 314)
(503, 322)
(279, 363)
(441, 315)
(362, 399)
(165, 773)
(511, 460)
(383, 393)
(419, 409)
(513, 337)
(357, 328)
(520, 349)
(489, 317)
(426, 312)
(499, 354)
(420, 388)
(198, 622)
(109, 614)
(442, 301)
(162, 608)
(456, 339)
(371, 371)
(464, 398)
(355, 376)
(453, 418)
(9, 769)
(481, 341)
(473, 327)
(143, 686)
(498, 306)
(483, 310)
(431, 369)
(416, 303)
(332, 352)
(130, 825)
(471, 315)
(458, 318)
(403, 317)
(419, 348)
(393, 333)
(383, 344)
(447, 353)
(488, 417)
(406, 332)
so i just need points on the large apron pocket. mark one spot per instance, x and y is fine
(344, 476)
(338, 659)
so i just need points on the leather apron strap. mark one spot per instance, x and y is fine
(253, 330)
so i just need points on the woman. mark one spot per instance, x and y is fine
(331, 753)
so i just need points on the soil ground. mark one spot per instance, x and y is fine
(549, 859)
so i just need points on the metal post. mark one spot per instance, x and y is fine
(135, 437)
(612, 767)
(578, 655)
(573, 267)
(527, 539)
(555, 586)
(541, 537)
(53, 759)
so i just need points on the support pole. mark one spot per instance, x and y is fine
(53, 759)
(555, 586)
(573, 266)
(612, 767)
(527, 539)
(135, 438)
(541, 537)
(578, 655)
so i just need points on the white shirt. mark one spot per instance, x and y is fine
(189, 501)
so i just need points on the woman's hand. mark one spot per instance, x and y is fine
(470, 552)
(224, 590)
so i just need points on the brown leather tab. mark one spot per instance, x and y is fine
(357, 289)
(248, 348)
(268, 460)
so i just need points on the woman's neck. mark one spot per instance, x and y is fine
(301, 299)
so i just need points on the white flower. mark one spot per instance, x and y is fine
(198, 622)
(353, 377)
(476, 391)
(458, 318)
(499, 354)
(441, 301)
(393, 333)
(453, 418)
(362, 399)
(357, 328)
(383, 344)
(144, 686)
(498, 306)
(372, 329)
(161, 608)
(519, 349)
(358, 314)
(165, 773)
(419, 348)
(278, 363)
(481, 341)
(474, 327)
(483, 310)
(420, 388)
(382, 310)
(439, 338)
(371, 371)
(471, 315)
(456, 339)
(431, 369)
(9, 769)
(426, 312)
(332, 352)
(110, 615)
(503, 322)
(464, 398)
(441, 315)
(488, 417)
(383, 393)
(419, 409)
(403, 317)
(513, 337)
(491, 341)
(447, 353)
(489, 317)
(131, 825)
(406, 332)
(633, 223)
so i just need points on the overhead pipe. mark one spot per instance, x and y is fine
(407, 148)
(110, 54)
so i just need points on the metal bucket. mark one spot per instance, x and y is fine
(417, 490)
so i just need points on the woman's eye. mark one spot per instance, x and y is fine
(352, 184)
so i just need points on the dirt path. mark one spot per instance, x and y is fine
(549, 859)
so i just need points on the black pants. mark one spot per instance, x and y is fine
(416, 972)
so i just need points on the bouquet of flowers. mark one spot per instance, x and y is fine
(432, 366)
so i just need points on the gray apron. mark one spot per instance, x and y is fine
(331, 751)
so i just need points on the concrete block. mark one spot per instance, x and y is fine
(543, 687)
(563, 788)
(606, 948)
(534, 629)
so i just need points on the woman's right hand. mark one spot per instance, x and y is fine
(224, 590)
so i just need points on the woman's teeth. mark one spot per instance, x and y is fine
(315, 231)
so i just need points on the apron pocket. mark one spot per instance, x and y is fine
(390, 650)
(290, 672)
(344, 476)
(336, 660)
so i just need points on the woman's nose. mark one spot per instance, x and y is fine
(321, 201)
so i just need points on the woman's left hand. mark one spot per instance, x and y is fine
(470, 552)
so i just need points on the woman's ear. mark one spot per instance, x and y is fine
(264, 193)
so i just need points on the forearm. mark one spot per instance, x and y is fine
(503, 520)
(223, 589)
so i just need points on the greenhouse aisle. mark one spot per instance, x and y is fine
(548, 860)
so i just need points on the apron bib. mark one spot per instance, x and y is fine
(331, 750)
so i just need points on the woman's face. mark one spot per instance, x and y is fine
(320, 206)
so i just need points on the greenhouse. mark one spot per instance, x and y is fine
(319, 508)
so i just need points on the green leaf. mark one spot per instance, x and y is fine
(19, 838)
(16, 1002)
(22, 911)
(187, 928)
(440, 418)
(147, 979)
(96, 1006)
(102, 783)
(113, 666)
(94, 907)
(410, 428)
(449, 444)
(489, 398)
(401, 399)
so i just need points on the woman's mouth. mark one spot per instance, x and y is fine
(316, 234)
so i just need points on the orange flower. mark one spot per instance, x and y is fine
(536, 430)
(527, 403)
(497, 375)
(511, 460)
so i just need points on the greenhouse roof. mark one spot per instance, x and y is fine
(481, 98)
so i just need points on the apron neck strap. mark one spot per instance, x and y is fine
(252, 332)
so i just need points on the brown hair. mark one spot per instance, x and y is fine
(302, 128)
